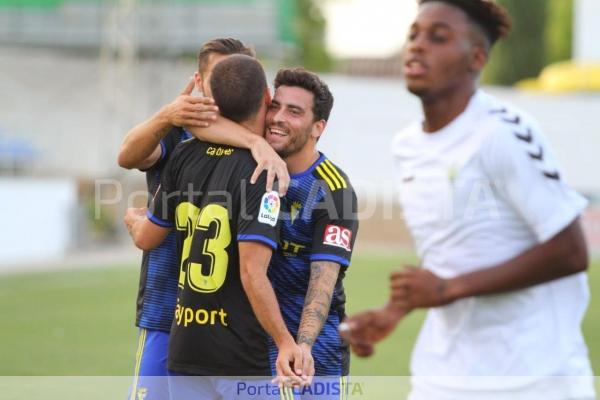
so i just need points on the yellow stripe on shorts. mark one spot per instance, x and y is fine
(138, 362)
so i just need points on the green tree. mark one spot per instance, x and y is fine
(522, 54)
(559, 31)
(310, 27)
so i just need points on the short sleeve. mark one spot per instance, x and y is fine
(162, 207)
(167, 146)
(258, 220)
(519, 161)
(336, 226)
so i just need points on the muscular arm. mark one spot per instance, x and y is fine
(254, 261)
(323, 276)
(224, 131)
(563, 255)
(140, 148)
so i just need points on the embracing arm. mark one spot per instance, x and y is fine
(224, 131)
(141, 146)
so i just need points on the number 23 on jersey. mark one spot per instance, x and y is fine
(204, 258)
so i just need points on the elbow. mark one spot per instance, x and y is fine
(144, 243)
(123, 161)
(578, 261)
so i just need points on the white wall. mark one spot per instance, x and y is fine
(36, 219)
(587, 30)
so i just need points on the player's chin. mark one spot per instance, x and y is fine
(280, 148)
(419, 89)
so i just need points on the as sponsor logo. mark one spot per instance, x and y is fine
(269, 209)
(337, 236)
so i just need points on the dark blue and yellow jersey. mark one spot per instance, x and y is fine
(318, 223)
(157, 291)
(206, 197)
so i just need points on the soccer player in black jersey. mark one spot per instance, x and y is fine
(226, 230)
(318, 229)
(148, 147)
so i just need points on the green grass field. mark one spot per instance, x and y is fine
(80, 322)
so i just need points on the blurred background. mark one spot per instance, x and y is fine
(76, 75)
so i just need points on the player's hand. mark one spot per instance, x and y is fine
(418, 288)
(308, 364)
(289, 365)
(188, 110)
(268, 160)
(133, 215)
(362, 331)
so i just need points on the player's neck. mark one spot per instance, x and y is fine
(255, 126)
(302, 160)
(441, 110)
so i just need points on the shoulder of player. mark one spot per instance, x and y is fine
(335, 180)
(503, 124)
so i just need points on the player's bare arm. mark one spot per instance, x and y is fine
(141, 146)
(254, 261)
(563, 255)
(323, 276)
(224, 131)
(145, 234)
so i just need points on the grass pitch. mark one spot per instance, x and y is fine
(80, 322)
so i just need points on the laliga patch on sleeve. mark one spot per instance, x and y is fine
(269, 208)
(337, 236)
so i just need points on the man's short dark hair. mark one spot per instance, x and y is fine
(490, 17)
(238, 84)
(299, 77)
(224, 47)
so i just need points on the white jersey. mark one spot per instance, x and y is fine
(475, 194)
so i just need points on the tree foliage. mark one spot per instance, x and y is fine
(311, 25)
(522, 54)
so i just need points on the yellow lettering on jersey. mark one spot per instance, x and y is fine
(291, 247)
(200, 316)
(219, 151)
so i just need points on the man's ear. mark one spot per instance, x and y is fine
(318, 128)
(198, 80)
(267, 96)
(479, 58)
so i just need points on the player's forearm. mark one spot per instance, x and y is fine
(226, 132)
(561, 256)
(323, 277)
(142, 140)
(264, 304)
